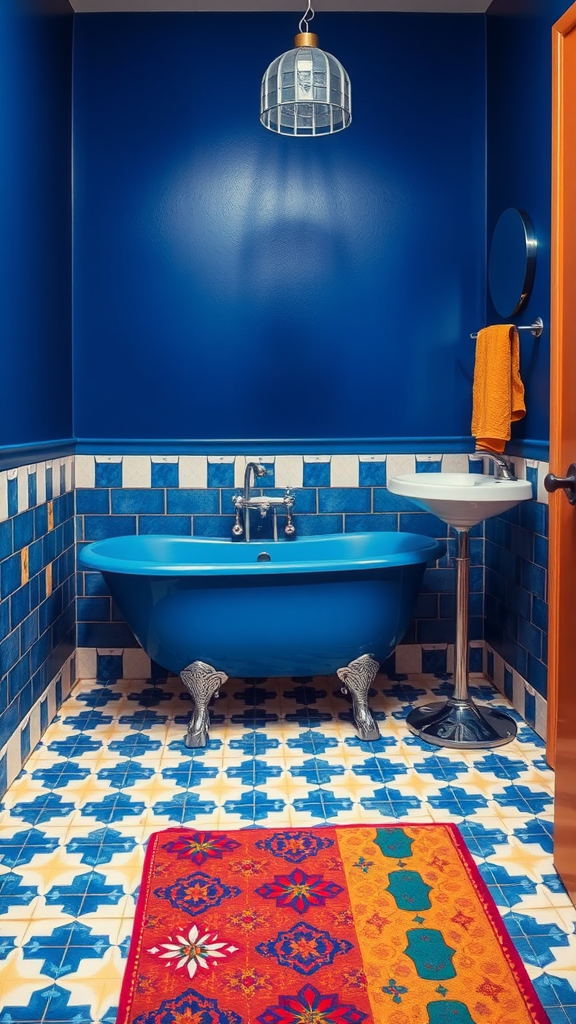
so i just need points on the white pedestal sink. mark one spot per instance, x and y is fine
(462, 500)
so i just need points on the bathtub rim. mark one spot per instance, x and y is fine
(99, 555)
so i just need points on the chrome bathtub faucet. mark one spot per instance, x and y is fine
(245, 501)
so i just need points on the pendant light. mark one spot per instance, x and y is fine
(306, 91)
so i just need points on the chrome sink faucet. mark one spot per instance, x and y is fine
(502, 468)
(245, 501)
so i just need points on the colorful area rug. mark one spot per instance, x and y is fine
(333, 925)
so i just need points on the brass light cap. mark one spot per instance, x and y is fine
(306, 39)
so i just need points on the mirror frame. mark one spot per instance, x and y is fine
(529, 267)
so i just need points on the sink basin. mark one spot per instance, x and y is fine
(461, 499)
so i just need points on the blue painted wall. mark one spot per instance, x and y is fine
(519, 60)
(188, 218)
(35, 241)
(230, 284)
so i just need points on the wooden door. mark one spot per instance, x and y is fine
(562, 563)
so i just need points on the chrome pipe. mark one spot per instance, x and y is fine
(461, 641)
(458, 722)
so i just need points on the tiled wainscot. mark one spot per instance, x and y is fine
(515, 600)
(37, 604)
(192, 495)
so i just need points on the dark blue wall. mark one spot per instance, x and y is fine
(35, 241)
(335, 281)
(519, 57)
(230, 284)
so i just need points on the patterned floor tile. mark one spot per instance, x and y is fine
(51, 1003)
(59, 949)
(114, 768)
(45, 808)
(528, 860)
(128, 746)
(106, 844)
(21, 846)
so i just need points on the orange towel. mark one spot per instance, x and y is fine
(498, 392)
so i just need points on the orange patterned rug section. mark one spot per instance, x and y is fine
(331, 925)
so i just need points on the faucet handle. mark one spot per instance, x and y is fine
(237, 529)
(289, 528)
(483, 453)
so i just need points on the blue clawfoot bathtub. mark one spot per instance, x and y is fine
(209, 609)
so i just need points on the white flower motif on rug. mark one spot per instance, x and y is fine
(194, 951)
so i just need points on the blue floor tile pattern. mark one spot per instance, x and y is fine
(113, 768)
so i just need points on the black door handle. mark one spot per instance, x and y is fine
(566, 483)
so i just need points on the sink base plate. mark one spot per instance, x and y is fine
(461, 724)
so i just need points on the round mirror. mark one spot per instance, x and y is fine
(511, 262)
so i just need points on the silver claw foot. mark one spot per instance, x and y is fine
(202, 681)
(358, 677)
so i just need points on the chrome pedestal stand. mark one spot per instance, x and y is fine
(458, 721)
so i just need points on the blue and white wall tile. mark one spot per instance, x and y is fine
(28, 732)
(516, 586)
(136, 471)
(288, 471)
(409, 660)
(37, 594)
(456, 463)
(192, 495)
(530, 704)
(3, 496)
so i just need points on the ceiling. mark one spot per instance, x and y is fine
(406, 6)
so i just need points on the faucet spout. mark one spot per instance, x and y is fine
(253, 469)
(502, 468)
(245, 502)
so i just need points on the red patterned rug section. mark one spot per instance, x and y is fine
(333, 925)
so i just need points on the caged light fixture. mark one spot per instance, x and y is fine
(306, 91)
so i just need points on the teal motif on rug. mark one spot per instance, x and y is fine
(449, 1012)
(409, 890)
(394, 843)
(432, 957)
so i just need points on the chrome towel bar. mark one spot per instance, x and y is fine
(536, 328)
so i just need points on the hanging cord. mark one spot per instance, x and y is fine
(306, 18)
